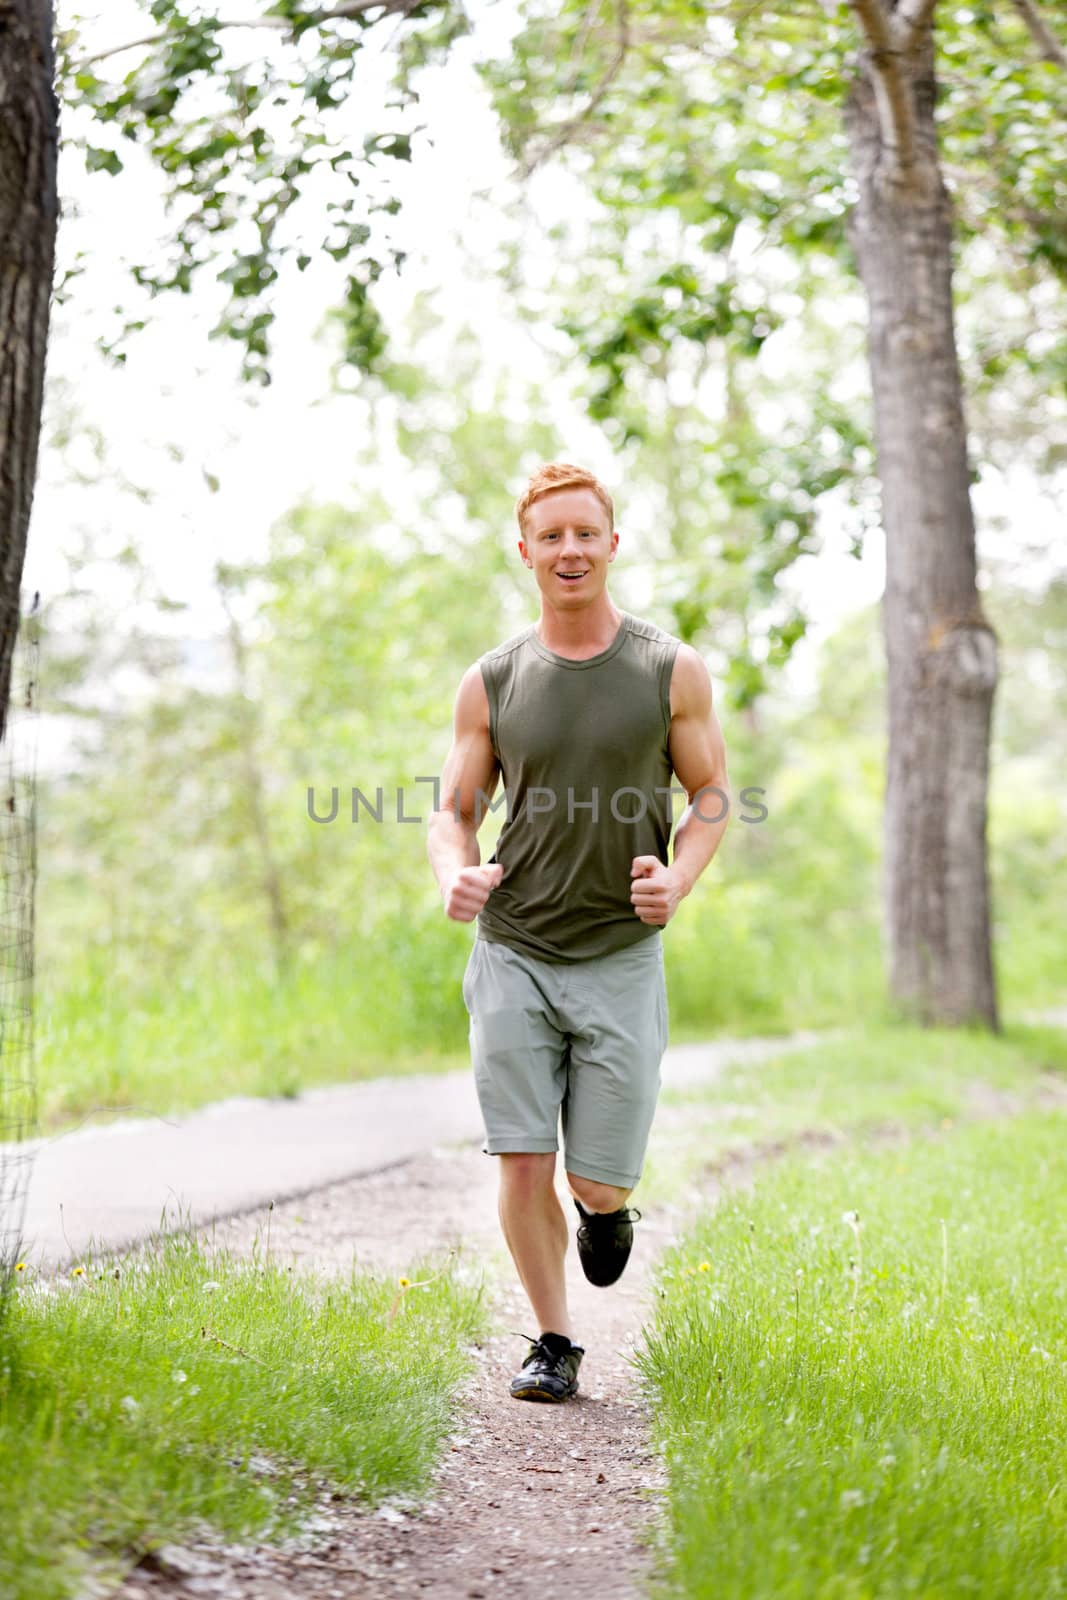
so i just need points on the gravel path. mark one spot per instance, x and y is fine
(94, 1188)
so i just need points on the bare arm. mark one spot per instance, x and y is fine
(468, 780)
(698, 756)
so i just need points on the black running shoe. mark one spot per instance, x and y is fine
(605, 1239)
(550, 1371)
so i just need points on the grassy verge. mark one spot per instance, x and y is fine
(115, 1036)
(184, 1388)
(860, 1375)
(118, 1047)
(908, 1077)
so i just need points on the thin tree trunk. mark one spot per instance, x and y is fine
(29, 119)
(942, 652)
(257, 790)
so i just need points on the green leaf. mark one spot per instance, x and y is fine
(100, 160)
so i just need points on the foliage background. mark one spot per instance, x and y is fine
(701, 342)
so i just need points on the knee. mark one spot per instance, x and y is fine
(525, 1172)
(597, 1196)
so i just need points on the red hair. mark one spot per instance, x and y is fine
(561, 475)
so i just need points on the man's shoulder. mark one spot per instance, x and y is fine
(652, 634)
(509, 646)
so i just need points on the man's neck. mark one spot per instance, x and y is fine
(579, 634)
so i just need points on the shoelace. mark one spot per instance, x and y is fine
(536, 1344)
(592, 1219)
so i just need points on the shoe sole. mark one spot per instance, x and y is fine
(602, 1281)
(542, 1394)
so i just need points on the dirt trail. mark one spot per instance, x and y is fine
(530, 1500)
(552, 1502)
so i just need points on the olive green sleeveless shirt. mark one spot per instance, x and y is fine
(582, 747)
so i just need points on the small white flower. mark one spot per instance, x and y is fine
(180, 1376)
(850, 1498)
(128, 1403)
(210, 1286)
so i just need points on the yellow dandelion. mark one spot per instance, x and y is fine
(405, 1283)
(79, 1272)
(20, 1266)
(705, 1266)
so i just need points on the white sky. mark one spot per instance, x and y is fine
(270, 448)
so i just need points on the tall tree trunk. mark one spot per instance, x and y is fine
(942, 652)
(29, 118)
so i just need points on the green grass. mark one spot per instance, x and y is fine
(181, 1387)
(115, 1036)
(742, 959)
(902, 1076)
(880, 1414)
(113, 1045)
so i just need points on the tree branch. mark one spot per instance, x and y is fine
(896, 114)
(911, 21)
(874, 20)
(578, 45)
(1043, 36)
(350, 8)
(563, 134)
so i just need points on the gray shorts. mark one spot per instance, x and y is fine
(583, 1040)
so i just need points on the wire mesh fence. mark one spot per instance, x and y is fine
(18, 877)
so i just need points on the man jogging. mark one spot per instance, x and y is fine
(585, 716)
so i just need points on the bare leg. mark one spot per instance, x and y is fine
(597, 1196)
(537, 1236)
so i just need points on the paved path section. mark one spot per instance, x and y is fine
(107, 1186)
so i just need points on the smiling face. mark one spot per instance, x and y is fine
(569, 545)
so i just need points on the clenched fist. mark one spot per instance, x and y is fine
(654, 891)
(467, 891)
